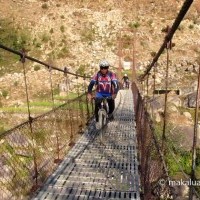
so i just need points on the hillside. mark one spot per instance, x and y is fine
(68, 31)
(78, 34)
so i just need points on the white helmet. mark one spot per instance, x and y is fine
(104, 63)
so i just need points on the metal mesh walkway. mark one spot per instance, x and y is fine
(102, 165)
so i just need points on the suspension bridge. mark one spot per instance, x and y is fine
(61, 155)
(102, 164)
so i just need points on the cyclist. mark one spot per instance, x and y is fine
(106, 86)
(125, 81)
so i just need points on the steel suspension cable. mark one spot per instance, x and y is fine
(38, 61)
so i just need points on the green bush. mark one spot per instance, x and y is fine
(133, 25)
(11, 36)
(180, 158)
(16, 83)
(88, 35)
(186, 161)
(191, 26)
(38, 45)
(36, 67)
(177, 156)
(172, 166)
(2, 129)
(62, 29)
(150, 21)
(64, 52)
(81, 69)
(4, 93)
(109, 43)
(198, 157)
(45, 38)
(52, 44)
(127, 41)
(51, 30)
(44, 6)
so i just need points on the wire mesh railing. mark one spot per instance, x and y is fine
(182, 165)
(152, 169)
(32, 150)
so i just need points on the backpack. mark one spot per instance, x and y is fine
(116, 86)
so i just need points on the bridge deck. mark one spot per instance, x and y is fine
(102, 165)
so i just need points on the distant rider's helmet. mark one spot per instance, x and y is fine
(125, 74)
(104, 64)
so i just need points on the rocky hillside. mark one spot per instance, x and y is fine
(78, 34)
(69, 31)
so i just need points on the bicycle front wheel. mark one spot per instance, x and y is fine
(102, 118)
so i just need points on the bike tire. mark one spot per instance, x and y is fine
(102, 119)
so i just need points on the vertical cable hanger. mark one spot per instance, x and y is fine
(87, 102)
(78, 93)
(194, 146)
(35, 176)
(81, 106)
(66, 81)
(154, 79)
(146, 92)
(26, 85)
(51, 85)
(79, 103)
(153, 91)
(72, 143)
(57, 160)
(77, 86)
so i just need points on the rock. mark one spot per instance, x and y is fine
(175, 100)
(157, 117)
(190, 100)
(188, 115)
(172, 108)
(181, 192)
(198, 131)
(63, 94)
